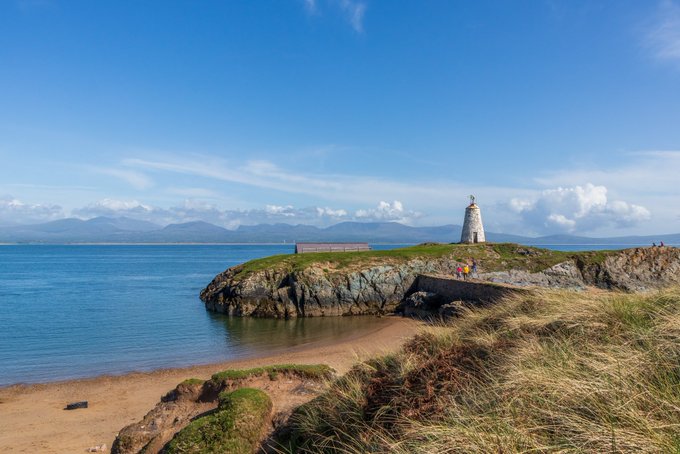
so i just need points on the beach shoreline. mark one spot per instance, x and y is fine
(34, 419)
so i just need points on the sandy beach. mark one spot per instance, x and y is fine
(33, 419)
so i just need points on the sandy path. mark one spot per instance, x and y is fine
(32, 418)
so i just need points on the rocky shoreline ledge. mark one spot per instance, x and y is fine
(377, 282)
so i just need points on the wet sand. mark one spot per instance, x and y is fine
(33, 419)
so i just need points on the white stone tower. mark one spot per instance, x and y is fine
(473, 230)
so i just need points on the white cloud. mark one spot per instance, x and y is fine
(642, 186)
(197, 210)
(663, 37)
(14, 211)
(331, 213)
(645, 178)
(120, 205)
(386, 211)
(117, 208)
(287, 211)
(583, 208)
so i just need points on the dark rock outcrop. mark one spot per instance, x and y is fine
(316, 292)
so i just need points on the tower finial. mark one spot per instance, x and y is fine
(472, 200)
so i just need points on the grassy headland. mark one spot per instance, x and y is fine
(492, 256)
(548, 372)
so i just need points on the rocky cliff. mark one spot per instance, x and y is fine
(636, 269)
(315, 291)
(375, 282)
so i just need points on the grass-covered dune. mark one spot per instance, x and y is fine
(555, 371)
(230, 412)
(235, 427)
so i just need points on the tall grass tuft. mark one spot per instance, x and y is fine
(551, 372)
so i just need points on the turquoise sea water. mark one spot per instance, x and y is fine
(70, 311)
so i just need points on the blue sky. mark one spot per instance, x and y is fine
(560, 116)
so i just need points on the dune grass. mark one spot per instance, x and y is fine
(550, 372)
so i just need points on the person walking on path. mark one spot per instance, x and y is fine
(474, 268)
(459, 272)
(466, 271)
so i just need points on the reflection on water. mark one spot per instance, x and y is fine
(262, 336)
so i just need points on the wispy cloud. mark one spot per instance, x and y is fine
(663, 37)
(192, 193)
(354, 10)
(135, 179)
(646, 173)
(346, 189)
(590, 200)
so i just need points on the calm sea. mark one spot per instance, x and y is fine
(69, 311)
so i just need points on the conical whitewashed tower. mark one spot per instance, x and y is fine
(473, 230)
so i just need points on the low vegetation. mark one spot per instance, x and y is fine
(491, 256)
(235, 427)
(192, 382)
(554, 371)
(310, 371)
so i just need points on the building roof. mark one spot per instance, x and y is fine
(301, 248)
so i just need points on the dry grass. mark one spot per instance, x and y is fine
(552, 372)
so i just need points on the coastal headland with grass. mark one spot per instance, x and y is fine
(560, 350)
(339, 227)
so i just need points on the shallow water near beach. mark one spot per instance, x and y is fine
(72, 311)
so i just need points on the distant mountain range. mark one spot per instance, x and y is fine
(126, 230)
